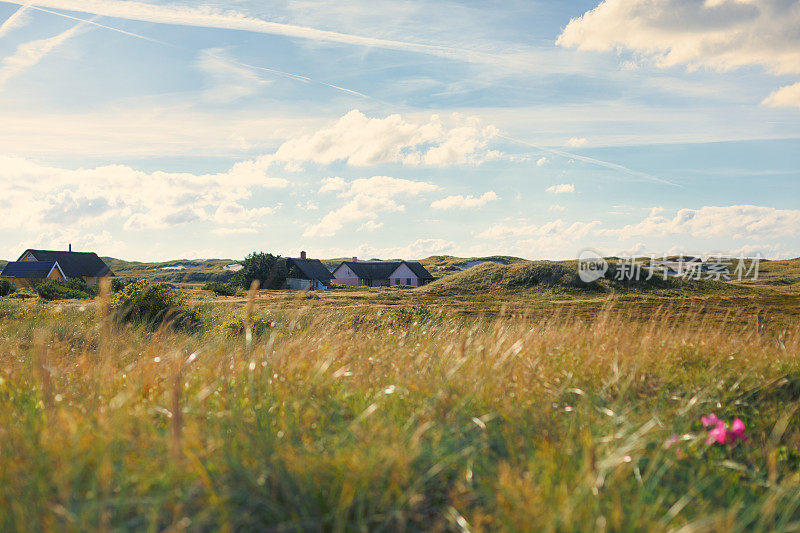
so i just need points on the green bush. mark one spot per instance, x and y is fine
(152, 304)
(6, 287)
(221, 289)
(65, 290)
(269, 270)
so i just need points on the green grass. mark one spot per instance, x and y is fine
(561, 278)
(200, 271)
(393, 410)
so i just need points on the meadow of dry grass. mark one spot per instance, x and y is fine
(396, 415)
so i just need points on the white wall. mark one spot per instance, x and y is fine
(344, 272)
(402, 274)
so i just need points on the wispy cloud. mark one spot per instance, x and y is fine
(29, 54)
(234, 20)
(465, 202)
(16, 19)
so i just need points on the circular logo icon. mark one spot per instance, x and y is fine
(591, 265)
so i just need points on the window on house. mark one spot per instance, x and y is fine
(408, 281)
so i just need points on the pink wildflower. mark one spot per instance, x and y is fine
(719, 432)
(710, 420)
(737, 431)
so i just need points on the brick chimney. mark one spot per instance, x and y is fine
(302, 255)
(355, 259)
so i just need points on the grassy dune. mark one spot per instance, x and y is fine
(396, 417)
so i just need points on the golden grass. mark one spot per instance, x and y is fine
(372, 419)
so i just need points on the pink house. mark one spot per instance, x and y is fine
(381, 273)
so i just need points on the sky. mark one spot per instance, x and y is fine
(207, 129)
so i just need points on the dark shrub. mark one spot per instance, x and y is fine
(221, 289)
(65, 290)
(6, 287)
(269, 270)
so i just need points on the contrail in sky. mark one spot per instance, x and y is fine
(306, 79)
(289, 75)
(91, 21)
(593, 161)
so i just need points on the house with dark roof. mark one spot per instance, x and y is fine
(307, 274)
(381, 273)
(26, 274)
(85, 266)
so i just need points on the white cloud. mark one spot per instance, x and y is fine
(366, 199)
(542, 161)
(234, 231)
(102, 242)
(735, 221)
(718, 34)
(29, 54)
(788, 96)
(370, 225)
(766, 251)
(234, 213)
(386, 187)
(362, 141)
(728, 230)
(556, 207)
(721, 34)
(334, 184)
(419, 249)
(464, 202)
(554, 240)
(40, 197)
(308, 205)
(561, 188)
(576, 142)
(550, 229)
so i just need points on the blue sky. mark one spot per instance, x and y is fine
(156, 130)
